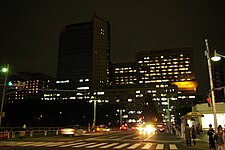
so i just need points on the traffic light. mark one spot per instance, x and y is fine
(208, 99)
(10, 83)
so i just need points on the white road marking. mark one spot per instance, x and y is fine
(149, 137)
(160, 146)
(147, 146)
(96, 145)
(40, 144)
(55, 144)
(173, 146)
(32, 144)
(122, 145)
(134, 146)
(110, 145)
(84, 144)
(67, 145)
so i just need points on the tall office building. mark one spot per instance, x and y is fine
(84, 55)
(173, 65)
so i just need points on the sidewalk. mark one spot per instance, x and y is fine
(201, 142)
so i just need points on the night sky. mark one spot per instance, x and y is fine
(29, 29)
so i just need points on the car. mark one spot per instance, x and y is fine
(124, 127)
(133, 126)
(160, 127)
(72, 130)
(147, 129)
(102, 128)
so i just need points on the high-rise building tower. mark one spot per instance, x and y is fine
(84, 55)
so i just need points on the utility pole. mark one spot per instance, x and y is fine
(211, 84)
(3, 95)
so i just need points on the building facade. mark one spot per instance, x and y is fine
(26, 85)
(84, 55)
(124, 73)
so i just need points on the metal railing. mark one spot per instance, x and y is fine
(16, 132)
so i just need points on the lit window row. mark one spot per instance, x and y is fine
(125, 80)
(129, 77)
(121, 71)
(127, 68)
(163, 63)
(166, 80)
(166, 73)
(147, 60)
(124, 83)
(83, 80)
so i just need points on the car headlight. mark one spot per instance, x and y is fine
(149, 129)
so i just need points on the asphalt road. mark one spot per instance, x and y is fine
(100, 141)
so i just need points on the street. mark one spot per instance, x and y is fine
(108, 140)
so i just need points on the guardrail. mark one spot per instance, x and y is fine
(15, 132)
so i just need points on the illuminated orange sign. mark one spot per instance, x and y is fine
(187, 85)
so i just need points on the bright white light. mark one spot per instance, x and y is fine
(82, 88)
(66, 81)
(216, 58)
(4, 69)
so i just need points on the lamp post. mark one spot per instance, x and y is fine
(6, 70)
(94, 100)
(217, 56)
(211, 84)
(121, 115)
(94, 120)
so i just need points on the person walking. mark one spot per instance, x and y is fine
(188, 135)
(211, 133)
(219, 137)
(194, 134)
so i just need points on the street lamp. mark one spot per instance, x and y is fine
(5, 70)
(217, 56)
(95, 105)
(121, 115)
(211, 84)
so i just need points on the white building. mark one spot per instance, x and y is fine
(208, 114)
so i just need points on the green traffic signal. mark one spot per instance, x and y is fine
(4, 69)
(10, 83)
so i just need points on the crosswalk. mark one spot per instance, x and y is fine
(89, 145)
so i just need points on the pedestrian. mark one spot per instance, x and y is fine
(194, 134)
(211, 133)
(219, 137)
(188, 135)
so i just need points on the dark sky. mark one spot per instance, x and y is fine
(29, 29)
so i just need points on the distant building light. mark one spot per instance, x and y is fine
(100, 93)
(138, 91)
(79, 93)
(66, 81)
(191, 96)
(129, 100)
(83, 88)
(139, 112)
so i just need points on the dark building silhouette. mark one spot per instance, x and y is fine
(218, 69)
(84, 55)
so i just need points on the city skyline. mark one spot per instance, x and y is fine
(29, 40)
